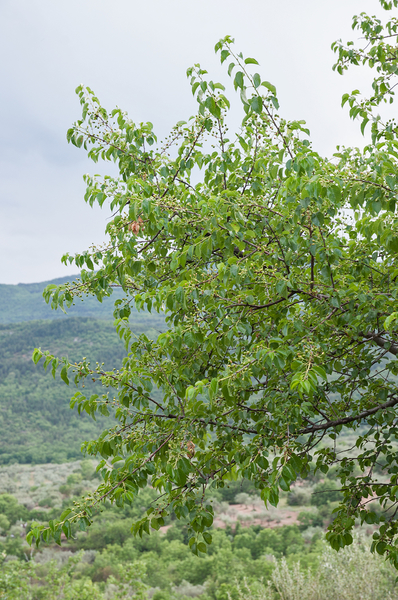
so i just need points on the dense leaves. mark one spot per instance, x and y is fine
(277, 271)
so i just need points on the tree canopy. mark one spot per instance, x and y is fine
(276, 269)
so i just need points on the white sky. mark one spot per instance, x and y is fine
(134, 54)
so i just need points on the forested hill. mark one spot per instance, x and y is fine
(25, 302)
(36, 422)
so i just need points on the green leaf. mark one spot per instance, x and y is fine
(29, 537)
(213, 107)
(318, 219)
(256, 80)
(381, 548)
(157, 523)
(64, 375)
(281, 288)
(256, 104)
(391, 321)
(320, 371)
(207, 519)
(284, 485)
(224, 55)
(36, 356)
(64, 514)
(269, 86)
(67, 530)
(251, 61)
(275, 102)
(238, 81)
(207, 537)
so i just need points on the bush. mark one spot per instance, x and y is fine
(309, 519)
(325, 492)
(4, 524)
(10, 508)
(243, 498)
(65, 489)
(298, 498)
(46, 502)
(102, 533)
(232, 488)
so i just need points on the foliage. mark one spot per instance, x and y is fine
(353, 574)
(23, 581)
(379, 53)
(276, 269)
(34, 410)
(14, 580)
(108, 545)
(298, 498)
(108, 548)
(33, 405)
(10, 509)
(229, 572)
(101, 563)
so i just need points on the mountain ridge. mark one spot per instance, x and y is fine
(24, 302)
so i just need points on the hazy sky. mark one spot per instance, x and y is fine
(135, 55)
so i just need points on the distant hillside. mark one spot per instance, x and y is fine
(36, 422)
(25, 302)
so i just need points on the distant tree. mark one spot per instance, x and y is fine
(11, 509)
(325, 492)
(243, 498)
(277, 272)
(4, 524)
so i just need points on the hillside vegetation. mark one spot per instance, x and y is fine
(37, 423)
(106, 562)
(25, 302)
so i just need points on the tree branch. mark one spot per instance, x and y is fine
(345, 420)
(382, 342)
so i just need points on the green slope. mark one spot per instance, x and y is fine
(36, 422)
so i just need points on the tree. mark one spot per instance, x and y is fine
(276, 270)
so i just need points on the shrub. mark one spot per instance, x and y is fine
(325, 492)
(309, 519)
(298, 498)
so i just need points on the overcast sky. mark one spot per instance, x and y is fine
(135, 55)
